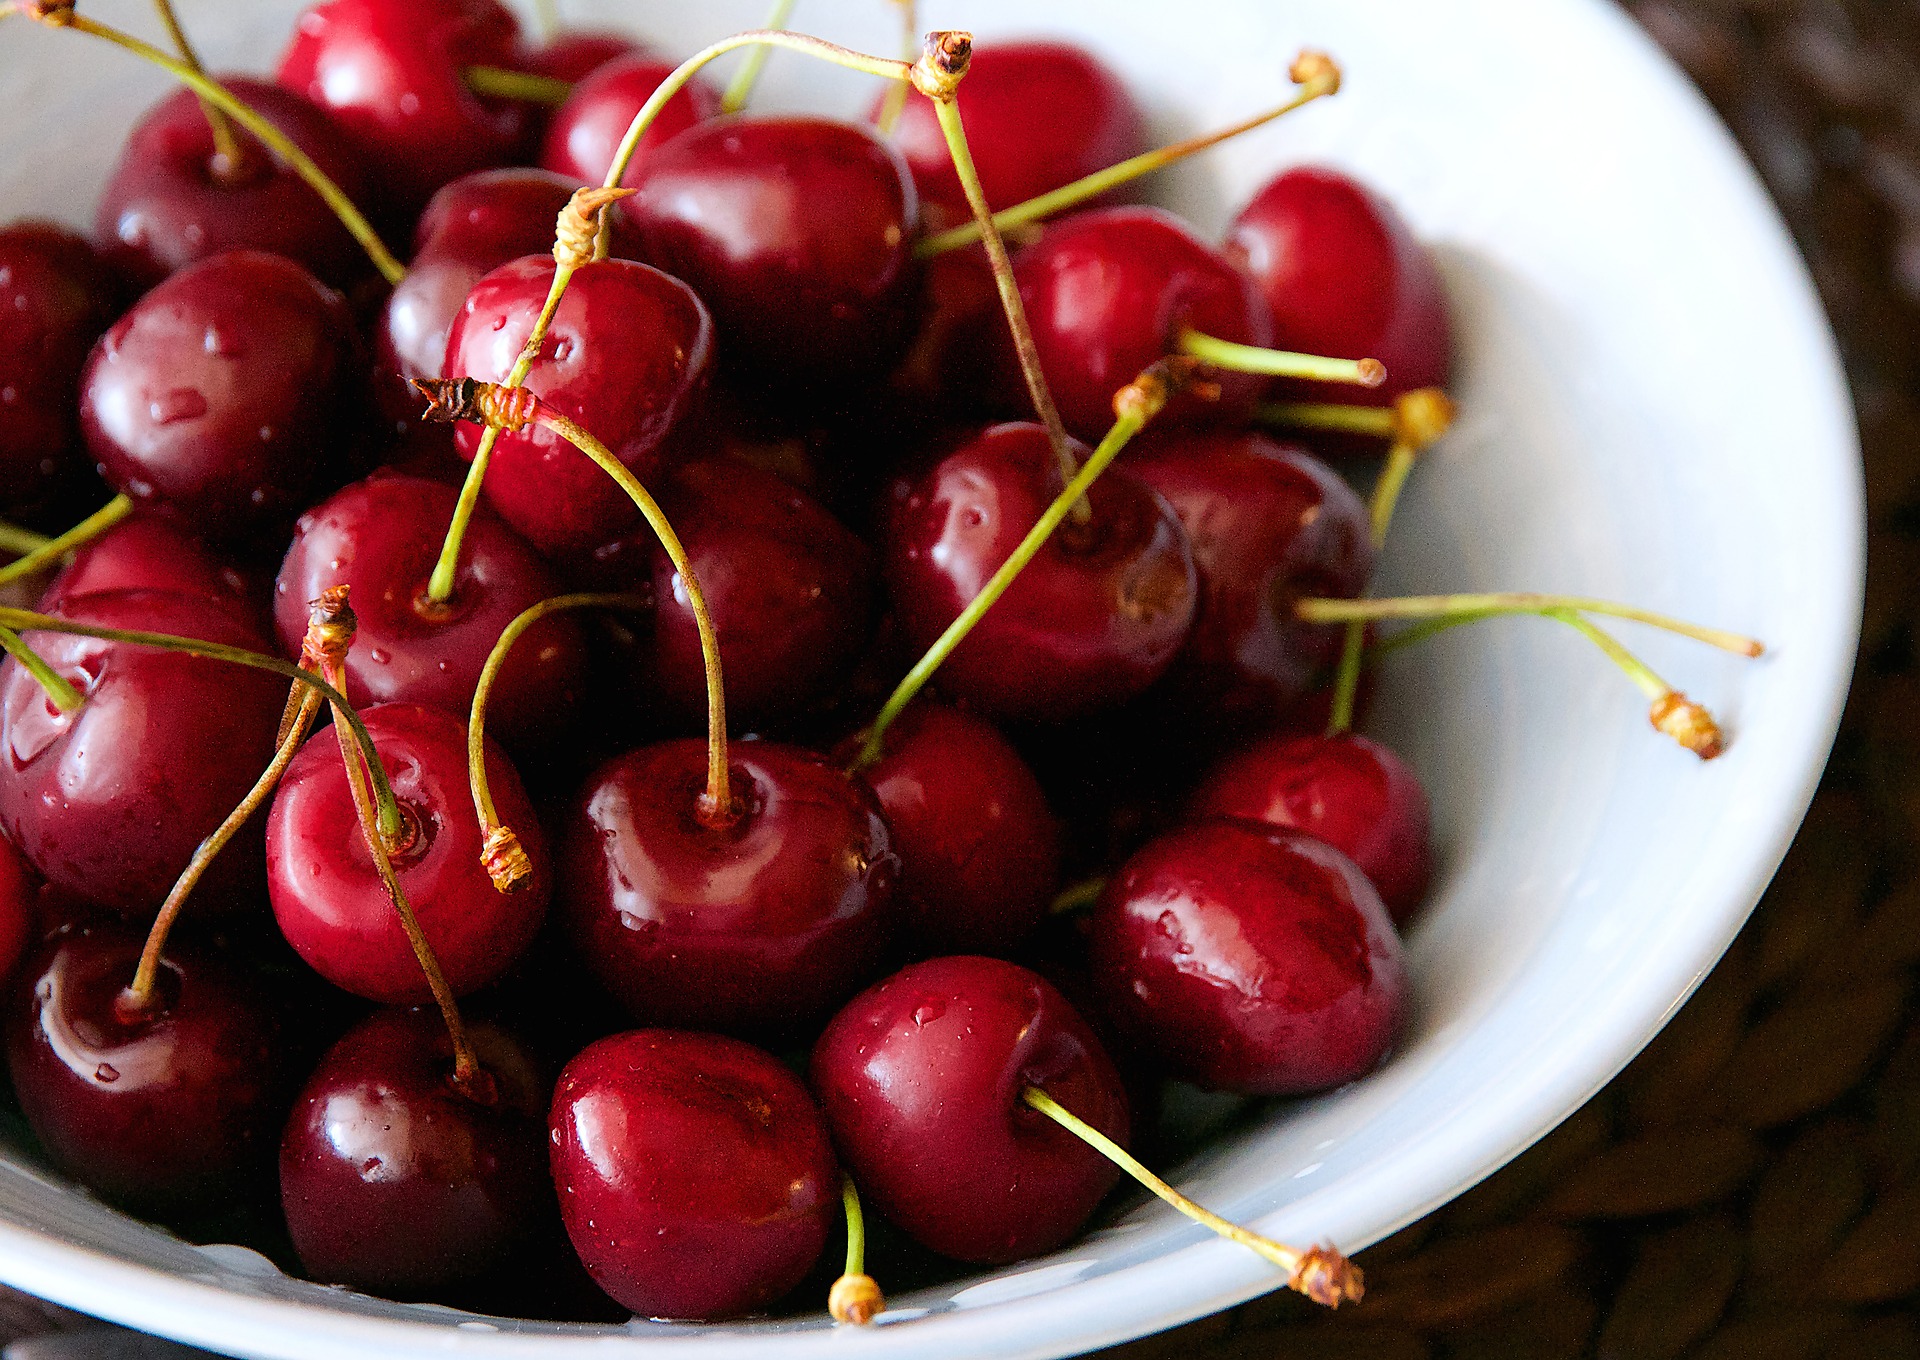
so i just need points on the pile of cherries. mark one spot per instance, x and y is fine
(1114, 843)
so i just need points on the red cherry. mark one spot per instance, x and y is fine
(695, 1175)
(226, 392)
(1109, 292)
(110, 801)
(1091, 122)
(577, 53)
(587, 130)
(627, 356)
(920, 1079)
(391, 73)
(174, 1106)
(798, 232)
(1094, 619)
(758, 925)
(19, 907)
(327, 894)
(393, 1180)
(151, 551)
(1353, 793)
(1251, 959)
(950, 366)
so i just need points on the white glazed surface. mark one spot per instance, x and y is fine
(1653, 411)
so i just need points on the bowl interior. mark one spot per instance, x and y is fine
(1652, 412)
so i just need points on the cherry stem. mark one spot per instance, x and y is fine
(1320, 1273)
(546, 14)
(1514, 602)
(740, 88)
(51, 550)
(60, 693)
(1278, 363)
(500, 82)
(1332, 416)
(1077, 897)
(226, 147)
(895, 102)
(855, 1296)
(501, 853)
(1314, 72)
(20, 541)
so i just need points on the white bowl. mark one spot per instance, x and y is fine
(1653, 412)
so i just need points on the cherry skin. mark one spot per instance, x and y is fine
(155, 1109)
(327, 895)
(756, 926)
(1249, 958)
(152, 551)
(577, 53)
(394, 1180)
(19, 907)
(1269, 526)
(225, 392)
(920, 1079)
(696, 1177)
(1108, 292)
(1349, 791)
(587, 130)
(1092, 122)
(109, 802)
(627, 357)
(390, 72)
(381, 537)
(1094, 619)
(798, 232)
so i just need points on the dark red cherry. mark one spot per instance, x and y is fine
(587, 130)
(949, 369)
(798, 232)
(1249, 958)
(1345, 277)
(327, 894)
(1109, 292)
(1270, 525)
(152, 551)
(110, 801)
(156, 1109)
(1351, 792)
(627, 356)
(391, 73)
(1091, 122)
(695, 1175)
(19, 907)
(381, 537)
(394, 1180)
(227, 392)
(979, 847)
(57, 296)
(577, 53)
(920, 1079)
(1094, 619)
(760, 925)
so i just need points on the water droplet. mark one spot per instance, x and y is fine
(927, 1012)
(183, 403)
(106, 1072)
(379, 656)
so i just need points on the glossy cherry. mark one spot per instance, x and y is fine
(226, 392)
(110, 801)
(695, 1175)
(761, 924)
(394, 1180)
(798, 232)
(153, 1109)
(1249, 958)
(327, 895)
(381, 537)
(627, 356)
(920, 1079)
(19, 907)
(577, 53)
(154, 551)
(391, 73)
(587, 130)
(1347, 790)
(1094, 619)
(949, 369)
(1108, 292)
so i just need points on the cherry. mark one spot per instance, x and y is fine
(979, 847)
(1110, 291)
(391, 73)
(154, 1109)
(152, 551)
(19, 907)
(798, 232)
(627, 356)
(587, 130)
(696, 1178)
(577, 53)
(1094, 619)
(225, 392)
(949, 368)
(1091, 122)
(380, 537)
(58, 295)
(762, 922)
(1353, 793)
(109, 802)
(394, 1180)
(920, 1078)
(327, 894)
(1249, 958)
(1269, 525)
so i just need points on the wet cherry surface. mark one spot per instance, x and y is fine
(587, 130)
(154, 551)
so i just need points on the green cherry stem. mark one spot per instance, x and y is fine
(740, 88)
(20, 542)
(60, 693)
(1332, 417)
(51, 550)
(1516, 602)
(1077, 897)
(895, 102)
(1278, 363)
(855, 1297)
(226, 147)
(546, 15)
(500, 82)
